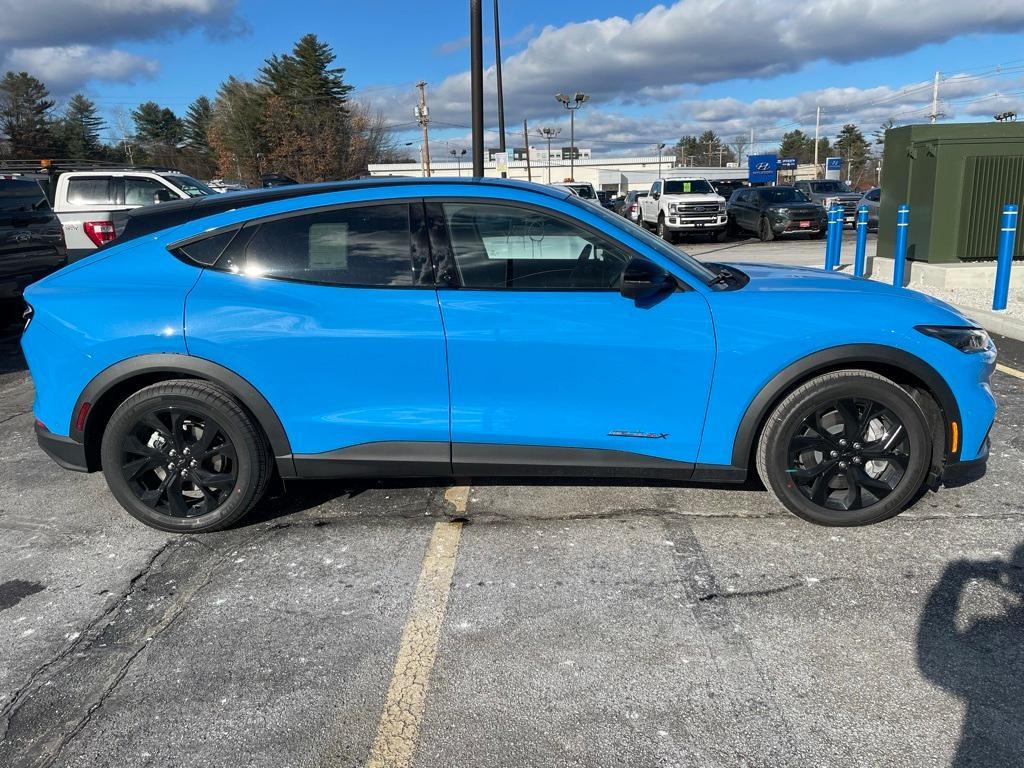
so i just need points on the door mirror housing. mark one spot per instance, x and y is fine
(162, 196)
(655, 195)
(645, 282)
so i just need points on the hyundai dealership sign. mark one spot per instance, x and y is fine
(833, 167)
(762, 169)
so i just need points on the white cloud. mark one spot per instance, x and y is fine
(647, 58)
(63, 22)
(66, 68)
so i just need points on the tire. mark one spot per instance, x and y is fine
(152, 472)
(764, 231)
(813, 475)
(664, 233)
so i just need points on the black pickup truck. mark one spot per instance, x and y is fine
(31, 242)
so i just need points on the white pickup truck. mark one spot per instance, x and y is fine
(683, 205)
(88, 203)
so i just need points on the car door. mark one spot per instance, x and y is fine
(745, 209)
(650, 204)
(548, 363)
(333, 317)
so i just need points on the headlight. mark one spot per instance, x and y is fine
(967, 340)
(721, 207)
(671, 207)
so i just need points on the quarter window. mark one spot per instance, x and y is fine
(505, 247)
(359, 246)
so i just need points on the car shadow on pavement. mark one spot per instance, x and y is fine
(973, 649)
(297, 496)
(11, 358)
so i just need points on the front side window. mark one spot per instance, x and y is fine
(830, 187)
(188, 185)
(138, 190)
(366, 246)
(511, 248)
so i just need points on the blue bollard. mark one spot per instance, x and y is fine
(899, 259)
(830, 238)
(837, 239)
(1007, 236)
(862, 241)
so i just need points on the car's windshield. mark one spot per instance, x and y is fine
(829, 187)
(782, 195)
(688, 187)
(21, 196)
(626, 226)
(188, 185)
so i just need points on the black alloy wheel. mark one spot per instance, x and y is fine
(179, 462)
(849, 447)
(184, 456)
(848, 454)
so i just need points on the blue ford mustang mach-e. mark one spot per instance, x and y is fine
(445, 327)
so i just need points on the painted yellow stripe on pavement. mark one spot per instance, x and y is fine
(399, 728)
(1009, 371)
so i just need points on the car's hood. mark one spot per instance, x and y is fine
(780, 278)
(694, 198)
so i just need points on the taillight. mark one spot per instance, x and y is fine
(99, 232)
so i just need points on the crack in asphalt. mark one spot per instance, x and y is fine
(85, 639)
(767, 592)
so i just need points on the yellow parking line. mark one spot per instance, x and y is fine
(1009, 371)
(399, 727)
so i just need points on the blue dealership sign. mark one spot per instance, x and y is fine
(833, 163)
(787, 163)
(762, 169)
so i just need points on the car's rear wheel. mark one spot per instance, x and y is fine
(846, 448)
(765, 231)
(183, 456)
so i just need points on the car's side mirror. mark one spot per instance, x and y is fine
(162, 196)
(644, 281)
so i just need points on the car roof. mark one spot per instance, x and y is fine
(152, 218)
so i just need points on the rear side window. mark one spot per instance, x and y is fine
(367, 246)
(91, 190)
(22, 197)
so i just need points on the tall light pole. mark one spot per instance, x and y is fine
(458, 158)
(578, 100)
(476, 86)
(501, 93)
(549, 134)
(659, 147)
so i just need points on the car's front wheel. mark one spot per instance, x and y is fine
(183, 456)
(846, 448)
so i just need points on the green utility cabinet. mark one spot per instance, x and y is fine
(955, 178)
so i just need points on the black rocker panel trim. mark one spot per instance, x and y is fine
(187, 365)
(851, 355)
(381, 459)
(438, 459)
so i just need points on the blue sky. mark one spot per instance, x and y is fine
(656, 71)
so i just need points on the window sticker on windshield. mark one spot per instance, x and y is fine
(686, 187)
(328, 246)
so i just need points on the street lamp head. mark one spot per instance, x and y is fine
(660, 146)
(561, 97)
(579, 97)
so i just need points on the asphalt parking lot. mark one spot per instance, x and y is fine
(534, 624)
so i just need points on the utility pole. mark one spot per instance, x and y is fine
(476, 86)
(423, 118)
(659, 147)
(549, 134)
(752, 142)
(817, 133)
(501, 95)
(526, 142)
(935, 115)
